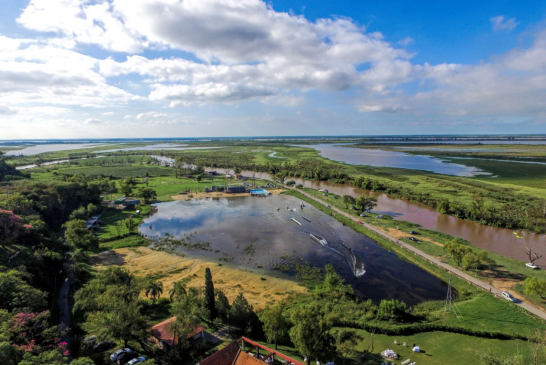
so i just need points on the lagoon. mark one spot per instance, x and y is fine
(251, 232)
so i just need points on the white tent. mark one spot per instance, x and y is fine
(416, 349)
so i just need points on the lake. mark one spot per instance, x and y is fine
(376, 157)
(251, 232)
(53, 147)
(160, 146)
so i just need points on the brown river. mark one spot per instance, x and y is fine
(498, 240)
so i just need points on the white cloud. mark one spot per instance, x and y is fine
(149, 115)
(406, 41)
(108, 113)
(6, 110)
(500, 22)
(92, 121)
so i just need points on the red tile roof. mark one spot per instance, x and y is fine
(246, 359)
(223, 357)
(162, 331)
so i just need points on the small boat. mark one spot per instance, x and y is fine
(307, 219)
(318, 239)
(296, 221)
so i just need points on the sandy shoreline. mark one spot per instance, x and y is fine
(220, 194)
(258, 289)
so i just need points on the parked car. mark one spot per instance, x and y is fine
(104, 345)
(89, 341)
(126, 357)
(531, 265)
(413, 232)
(508, 296)
(136, 360)
(116, 355)
(381, 216)
(413, 239)
(363, 215)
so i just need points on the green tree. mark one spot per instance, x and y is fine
(276, 325)
(475, 259)
(457, 250)
(16, 293)
(8, 353)
(346, 342)
(348, 200)
(118, 320)
(188, 314)
(92, 209)
(535, 286)
(209, 300)
(241, 315)
(82, 361)
(130, 224)
(126, 187)
(179, 289)
(392, 310)
(366, 203)
(311, 331)
(335, 284)
(44, 358)
(222, 304)
(237, 170)
(147, 194)
(78, 236)
(80, 213)
(153, 288)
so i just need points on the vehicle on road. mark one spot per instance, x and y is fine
(117, 354)
(136, 360)
(531, 265)
(508, 296)
(126, 357)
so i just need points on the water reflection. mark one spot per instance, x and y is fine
(252, 232)
(372, 157)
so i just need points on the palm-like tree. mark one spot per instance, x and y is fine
(154, 289)
(178, 289)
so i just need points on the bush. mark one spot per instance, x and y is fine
(392, 310)
(290, 182)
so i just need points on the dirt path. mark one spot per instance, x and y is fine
(470, 279)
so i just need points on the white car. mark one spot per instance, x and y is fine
(136, 360)
(508, 296)
(531, 265)
(118, 353)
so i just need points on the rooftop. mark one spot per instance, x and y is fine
(162, 331)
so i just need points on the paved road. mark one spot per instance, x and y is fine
(470, 279)
(62, 303)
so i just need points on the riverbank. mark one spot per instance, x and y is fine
(218, 194)
(258, 289)
(426, 260)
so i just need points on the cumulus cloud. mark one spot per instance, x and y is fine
(500, 22)
(38, 72)
(92, 121)
(108, 113)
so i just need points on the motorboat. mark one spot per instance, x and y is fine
(531, 265)
(318, 239)
(296, 221)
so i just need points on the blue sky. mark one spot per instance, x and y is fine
(169, 68)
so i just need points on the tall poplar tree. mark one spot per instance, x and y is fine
(210, 303)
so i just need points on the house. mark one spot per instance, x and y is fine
(247, 352)
(94, 222)
(235, 189)
(163, 335)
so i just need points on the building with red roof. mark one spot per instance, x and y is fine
(163, 335)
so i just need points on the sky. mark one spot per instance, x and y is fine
(193, 68)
